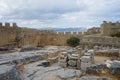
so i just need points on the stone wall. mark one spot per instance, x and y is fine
(19, 36)
(109, 28)
(92, 40)
(93, 30)
(101, 36)
(8, 33)
(105, 29)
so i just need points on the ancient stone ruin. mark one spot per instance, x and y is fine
(32, 56)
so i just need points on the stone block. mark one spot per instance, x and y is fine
(72, 63)
(85, 59)
(67, 74)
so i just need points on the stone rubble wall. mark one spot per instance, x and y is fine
(96, 69)
(103, 69)
(76, 61)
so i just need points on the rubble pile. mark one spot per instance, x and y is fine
(109, 67)
(96, 69)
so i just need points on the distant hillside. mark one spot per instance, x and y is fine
(66, 29)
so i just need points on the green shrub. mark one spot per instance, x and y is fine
(73, 41)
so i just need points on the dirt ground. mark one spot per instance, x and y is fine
(100, 59)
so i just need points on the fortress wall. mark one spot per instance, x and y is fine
(63, 36)
(34, 37)
(7, 33)
(91, 41)
(109, 28)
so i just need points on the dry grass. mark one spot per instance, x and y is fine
(100, 59)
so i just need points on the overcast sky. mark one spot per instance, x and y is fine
(59, 13)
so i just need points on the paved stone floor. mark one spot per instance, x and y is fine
(54, 72)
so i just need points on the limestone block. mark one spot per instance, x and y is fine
(53, 60)
(63, 64)
(67, 74)
(84, 65)
(72, 63)
(85, 59)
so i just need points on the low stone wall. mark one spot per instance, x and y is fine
(104, 69)
(108, 53)
(96, 69)
(48, 55)
(9, 72)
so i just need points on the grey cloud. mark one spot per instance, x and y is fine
(50, 12)
(44, 9)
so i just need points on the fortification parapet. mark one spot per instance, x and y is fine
(67, 33)
(0, 25)
(117, 23)
(107, 29)
(7, 25)
(61, 33)
(14, 25)
(110, 22)
(74, 33)
(79, 33)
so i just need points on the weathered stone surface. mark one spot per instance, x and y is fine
(72, 57)
(63, 64)
(28, 48)
(85, 59)
(78, 64)
(72, 63)
(9, 72)
(68, 73)
(44, 63)
(53, 60)
(35, 72)
(109, 52)
(95, 69)
(114, 67)
(27, 57)
(92, 78)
